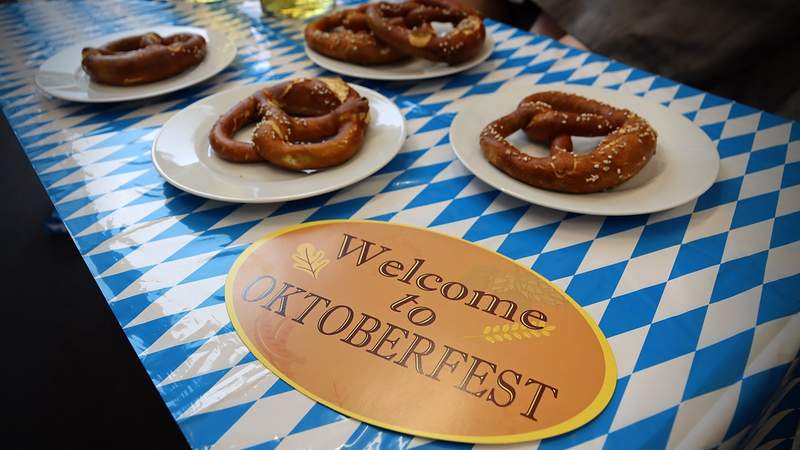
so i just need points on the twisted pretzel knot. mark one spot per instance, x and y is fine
(555, 116)
(303, 124)
(143, 59)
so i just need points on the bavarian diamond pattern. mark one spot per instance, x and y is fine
(700, 303)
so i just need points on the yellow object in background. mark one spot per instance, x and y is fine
(296, 9)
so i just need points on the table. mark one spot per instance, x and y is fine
(700, 303)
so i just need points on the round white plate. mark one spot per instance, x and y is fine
(411, 69)
(62, 76)
(685, 164)
(183, 155)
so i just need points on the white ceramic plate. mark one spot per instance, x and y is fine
(183, 155)
(62, 76)
(411, 69)
(685, 164)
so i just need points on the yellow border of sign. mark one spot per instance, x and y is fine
(590, 412)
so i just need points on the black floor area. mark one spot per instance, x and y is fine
(70, 379)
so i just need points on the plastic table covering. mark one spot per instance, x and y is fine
(700, 303)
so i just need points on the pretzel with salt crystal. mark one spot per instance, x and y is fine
(143, 58)
(555, 116)
(407, 27)
(303, 124)
(346, 36)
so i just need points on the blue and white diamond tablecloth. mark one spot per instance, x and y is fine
(701, 303)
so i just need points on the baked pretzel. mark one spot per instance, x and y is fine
(304, 124)
(346, 36)
(407, 27)
(143, 59)
(555, 116)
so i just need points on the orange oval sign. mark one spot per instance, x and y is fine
(419, 332)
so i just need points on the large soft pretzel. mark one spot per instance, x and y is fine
(346, 36)
(303, 124)
(143, 59)
(407, 27)
(553, 117)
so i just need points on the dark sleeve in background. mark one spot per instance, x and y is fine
(745, 50)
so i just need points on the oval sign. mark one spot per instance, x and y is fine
(419, 332)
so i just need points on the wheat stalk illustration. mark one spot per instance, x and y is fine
(310, 260)
(508, 333)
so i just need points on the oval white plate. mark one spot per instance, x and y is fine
(411, 69)
(685, 165)
(183, 155)
(62, 76)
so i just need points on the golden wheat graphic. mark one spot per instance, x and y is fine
(508, 333)
(310, 260)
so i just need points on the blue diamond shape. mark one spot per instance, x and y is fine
(466, 207)
(661, 235)
(515, 62)
(785, 229)
(767, 158)
(127, 309)
(755, 209)
(596, 285)
(319, 415)
(637, 74)
(401, 161)
(714, 130)
(779, 298)
(440, 191)
(415, 177)
(794, 134)
(494, 224)
(218, 265)
(687, 91)
(279, 387)
(739, 275)
(741, 110)
(770, 120)
(562, 262)
(650, 433)
(661, 82)
(526, 243)
(791, 175)
(699, 254)
(539, 67)
(617, 224)
(463, 80)
(735, 145)
(485, 88)
(100, 262)
(671, 338)
(89, 241)
(631, 311)
(718, 365)
(720, 193)
(437, 123)
(553, 77)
